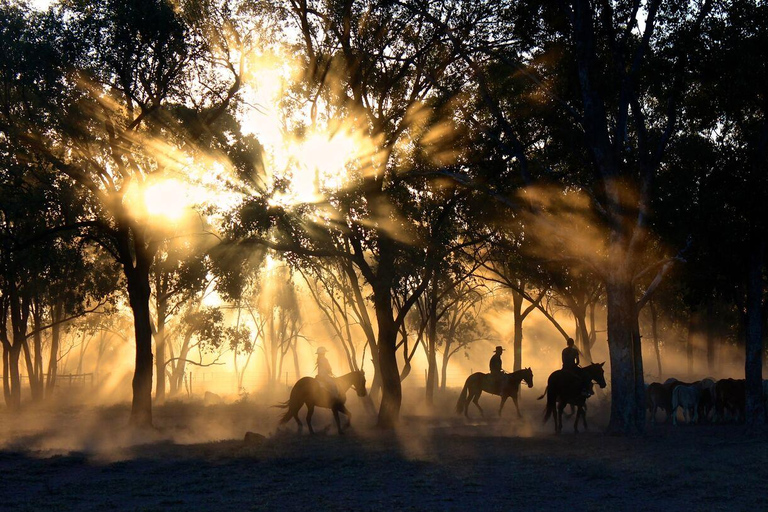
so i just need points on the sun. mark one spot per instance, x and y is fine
(320, 163)
(168, 199)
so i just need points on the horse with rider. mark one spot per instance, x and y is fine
(497, 382)
(325, 390)
(571, 385)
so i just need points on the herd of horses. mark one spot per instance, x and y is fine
(704, 400)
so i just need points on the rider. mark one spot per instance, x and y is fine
(495, 366)
(571, 363)
(571, 356)
(325, 374)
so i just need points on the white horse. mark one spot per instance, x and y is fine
(688, 398)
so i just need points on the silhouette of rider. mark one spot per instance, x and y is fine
(571, 357)
(496, 369)
(325, 374)
(571, 363)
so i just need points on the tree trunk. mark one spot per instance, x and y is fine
(517, 340)
(53, 359)
(36, 382)
(160, 351)
(444, 365)
(14, 391)
(693, 327)
(580, 315)
(753, 367)
(432, 343)
(6, 375)
(592, 329)
(709, 325)
(392, 393)
(655, 335)
(627, 411)
(376, 382)
(294, 349)
(139, 295)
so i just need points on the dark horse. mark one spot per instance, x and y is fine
(479, 382)
(309, 391)
(566, 387)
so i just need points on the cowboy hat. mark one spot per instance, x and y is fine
(321, 350)
(499, 349)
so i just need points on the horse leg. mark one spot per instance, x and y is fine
(503, 401)
(584, 417)
(466, 405)
(296, 417)
(310, 412)
(337, 420)
(560, 409)
(517, 407)
(475, 401)
(343, 408)
(576, 423)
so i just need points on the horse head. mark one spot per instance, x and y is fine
(597, 373)
(359, 383)
(528, 376)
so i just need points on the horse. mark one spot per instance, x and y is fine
(688, 397)
(730, 396)
(566, 387)
(308, 391)
(657, 397)
(479, 382)
(707, 402)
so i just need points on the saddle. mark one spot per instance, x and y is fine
(494, 382)
(330, 389)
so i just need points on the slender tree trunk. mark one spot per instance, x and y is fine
(517, 340)
(139, 295)
(693, 328)
(14, 396)
(36, 382)
(20, 309)
(432, 343)
(35, 391)
(160, 350)
(580, 315)
(655, 335)
(592, 329)
(295, 351)
(709, 326)
(444, 365)
(53, 359)
(6, 375)
(627, 411)
(753, 367)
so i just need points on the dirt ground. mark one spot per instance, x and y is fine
(84, 458)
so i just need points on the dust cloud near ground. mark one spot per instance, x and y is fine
(85, 458)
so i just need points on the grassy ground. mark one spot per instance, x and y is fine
(86, 459)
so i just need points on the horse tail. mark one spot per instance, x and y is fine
(462, 398)
(545, 393)
(551, 403)
(288, 414)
